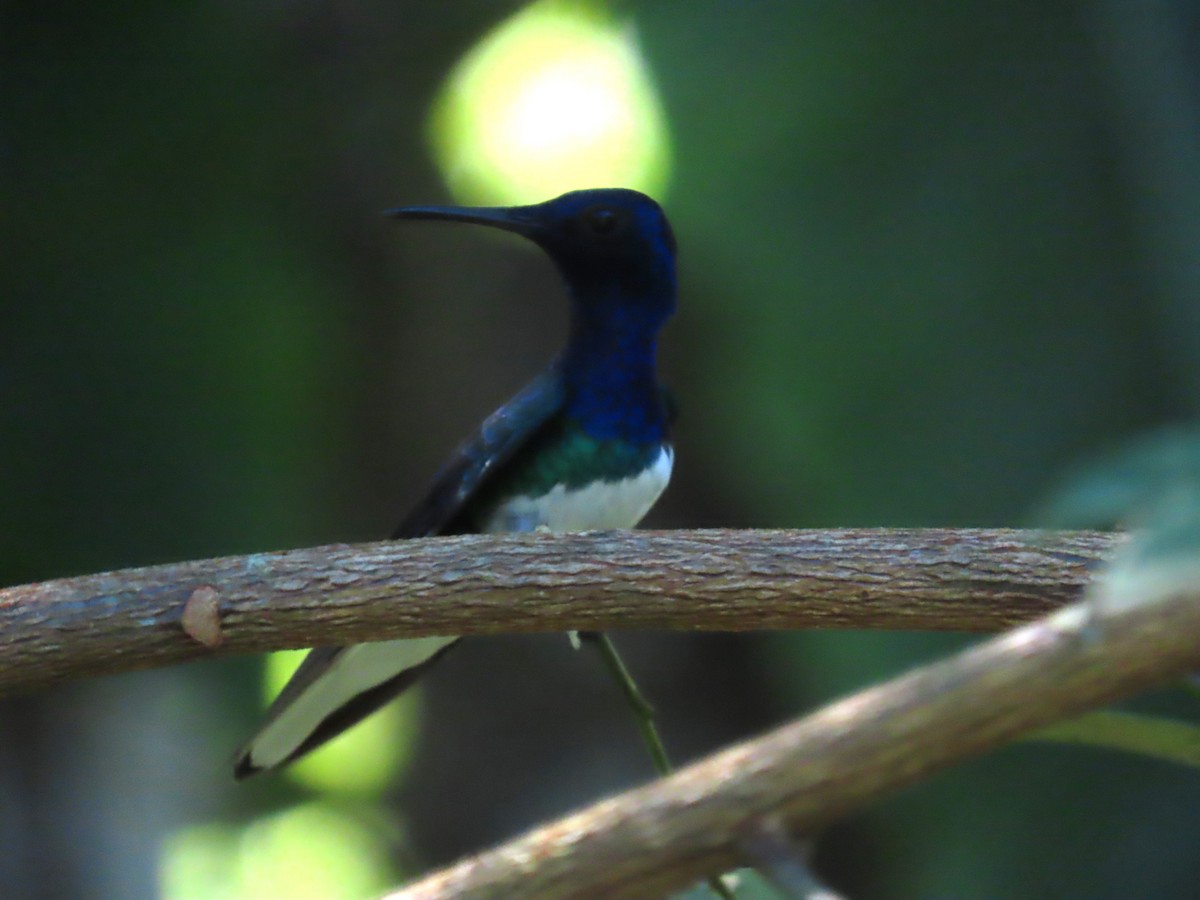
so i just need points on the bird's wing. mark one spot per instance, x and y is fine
(336, 687)
(500, 436)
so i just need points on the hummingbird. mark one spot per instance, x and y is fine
(584, 446)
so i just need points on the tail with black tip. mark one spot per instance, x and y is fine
(335, 688)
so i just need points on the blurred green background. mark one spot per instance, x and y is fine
(933, 256)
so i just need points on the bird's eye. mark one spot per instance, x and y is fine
(601, 220)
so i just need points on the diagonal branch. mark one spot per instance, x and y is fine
(802, 776)
(716, 580)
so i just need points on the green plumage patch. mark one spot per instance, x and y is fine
(563, 454)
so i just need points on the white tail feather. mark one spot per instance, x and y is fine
(354, 670)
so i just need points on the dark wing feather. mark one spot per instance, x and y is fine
(500, 436)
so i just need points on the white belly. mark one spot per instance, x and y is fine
(608, 504)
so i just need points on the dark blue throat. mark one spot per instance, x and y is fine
(609, 369)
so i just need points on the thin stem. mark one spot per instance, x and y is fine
(643, 712)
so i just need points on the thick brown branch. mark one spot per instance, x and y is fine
(661, 837)
(970, 580)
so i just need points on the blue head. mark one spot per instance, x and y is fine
(616, 252)
(613, 246)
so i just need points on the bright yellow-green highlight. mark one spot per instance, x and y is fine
(305, 852)
(362, 760)
(556, 98)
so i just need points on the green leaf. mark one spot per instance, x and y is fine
(1136, 484)
(1169, 740)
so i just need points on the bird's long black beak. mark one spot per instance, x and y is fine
(508, 218)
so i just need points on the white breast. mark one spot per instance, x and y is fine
(607, 504)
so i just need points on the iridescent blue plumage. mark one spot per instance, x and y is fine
(585, 445)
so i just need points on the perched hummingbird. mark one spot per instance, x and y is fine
(584, 446)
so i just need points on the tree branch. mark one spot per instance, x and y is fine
(717, 580)
(666, 835)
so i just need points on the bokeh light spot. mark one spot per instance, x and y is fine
(309, 851)
(554, 99)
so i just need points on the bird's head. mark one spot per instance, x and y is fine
(613, 246)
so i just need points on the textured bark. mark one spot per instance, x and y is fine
(715, 580)
(659, 838)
